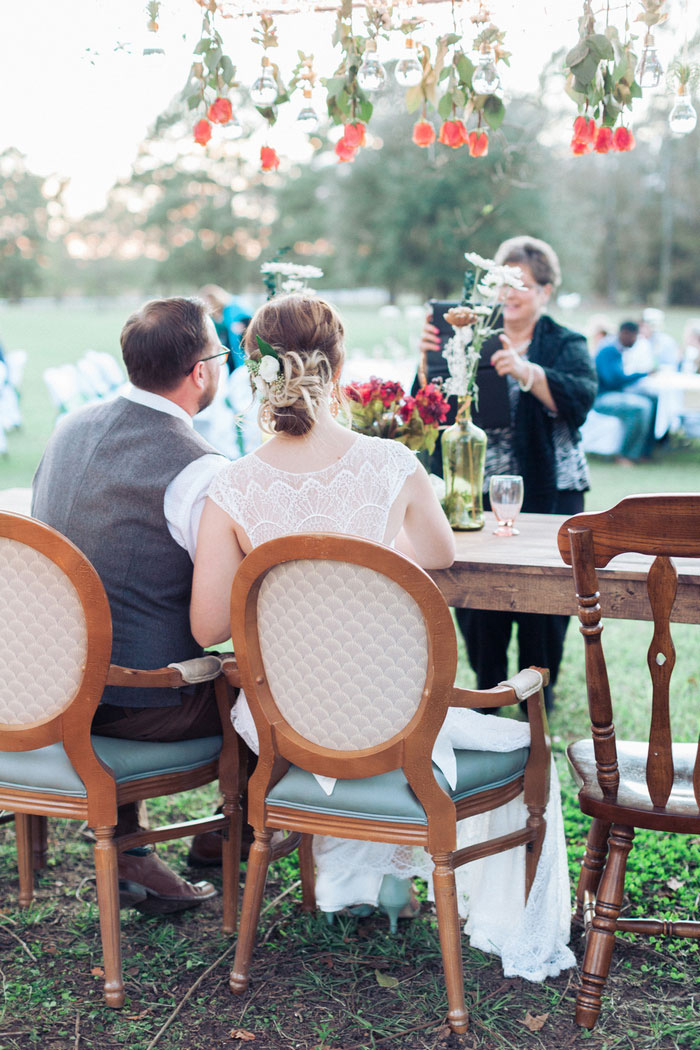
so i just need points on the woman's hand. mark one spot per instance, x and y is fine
(508, 362)
(531, 378)
(429, 343)
(430, 337)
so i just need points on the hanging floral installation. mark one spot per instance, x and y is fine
(601, 80)
(451, 79)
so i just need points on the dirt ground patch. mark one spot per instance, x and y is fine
(349, 986)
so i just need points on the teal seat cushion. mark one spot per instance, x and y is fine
(388, 796)
(48, 769)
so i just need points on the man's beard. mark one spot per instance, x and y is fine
(207, 395)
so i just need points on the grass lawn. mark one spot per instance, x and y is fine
(317, 987)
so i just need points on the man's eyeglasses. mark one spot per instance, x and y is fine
(223, 353)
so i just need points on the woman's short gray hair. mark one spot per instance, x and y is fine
(538, 255)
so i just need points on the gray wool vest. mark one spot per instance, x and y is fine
(101, 482)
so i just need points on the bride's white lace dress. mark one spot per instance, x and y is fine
(355, 495)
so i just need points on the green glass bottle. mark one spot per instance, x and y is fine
(463, 454)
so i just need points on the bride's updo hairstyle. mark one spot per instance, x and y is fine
(309, 339)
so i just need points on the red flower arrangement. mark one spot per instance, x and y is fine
(587, 137)
(269, 161)
(202, 132)
(220, 111)
(453, 133)
(423, 134)
(381, 408)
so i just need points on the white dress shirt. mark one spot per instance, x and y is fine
(184, 497)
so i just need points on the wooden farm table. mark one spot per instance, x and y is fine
(525, 573)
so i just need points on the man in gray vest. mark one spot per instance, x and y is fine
(126, 481)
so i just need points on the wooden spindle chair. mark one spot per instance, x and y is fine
(624, 784)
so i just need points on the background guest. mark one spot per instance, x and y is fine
(663, 348)
(691, 346)
(634, 409)
(230, 320)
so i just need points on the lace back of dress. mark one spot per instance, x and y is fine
(354, 495)
(345, 652)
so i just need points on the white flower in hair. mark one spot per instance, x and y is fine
(269, 368)
(259, 384)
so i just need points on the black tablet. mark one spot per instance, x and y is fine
(494, 403)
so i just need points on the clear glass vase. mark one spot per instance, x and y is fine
(463, 453)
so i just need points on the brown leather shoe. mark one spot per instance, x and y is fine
(155, 889)
(205, 851)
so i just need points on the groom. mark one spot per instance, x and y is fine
(126, 481)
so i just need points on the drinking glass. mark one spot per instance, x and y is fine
(506, 496)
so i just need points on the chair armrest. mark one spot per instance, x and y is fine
(528, 681)
(500, 696)
(174, 676)
(230, 671)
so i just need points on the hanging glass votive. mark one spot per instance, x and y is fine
(151, 46)
(650, 68)
(409, 71)
(308, 117)
(485, 80)
(264, 90)
(682, 118)
(371, 75)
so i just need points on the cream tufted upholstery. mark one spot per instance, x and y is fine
(345, 651)
(43, 638)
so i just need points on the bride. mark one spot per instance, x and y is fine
(314, 475)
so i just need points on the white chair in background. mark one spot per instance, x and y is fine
(602, 434)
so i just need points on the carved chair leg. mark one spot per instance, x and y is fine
(592, 864)
(23, 834)
(40, 841)
(108, 906)
(533, 850)
(306, 870)
(231, 862)
(450, 940)
(601, 937)
(258, 863)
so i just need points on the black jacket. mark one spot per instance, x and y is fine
(571, 376)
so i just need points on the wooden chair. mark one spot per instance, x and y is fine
(624, 784)
(347, 655)
(55, 645)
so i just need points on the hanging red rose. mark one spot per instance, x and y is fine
(202, 132)
(603, 140)
(584, 136)
(344, 152)
(478, 142)
(452, 133)
(354, 135)
(269, 161)
(584, 129)
(220, 111)
(423, 133)
(623, 139)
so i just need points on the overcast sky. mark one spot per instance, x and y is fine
(83, 116)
